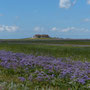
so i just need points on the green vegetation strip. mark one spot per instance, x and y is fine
(47, 41)
(75, 53)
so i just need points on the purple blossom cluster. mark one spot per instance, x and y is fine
(43, 68)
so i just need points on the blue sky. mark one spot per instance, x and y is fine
(57, 18)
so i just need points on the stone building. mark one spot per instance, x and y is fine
(41, 36)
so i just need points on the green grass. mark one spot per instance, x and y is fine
(76, 53)
(47, 41)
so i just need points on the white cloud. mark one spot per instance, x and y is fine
(8, 28)
(54, 29)
(36, 28)
(1, 28)
(87, 20)
(70, 29)
(75, 30)
(69, 3)
(88, 1)
(62, 30)
(39, 29)
(65, 4)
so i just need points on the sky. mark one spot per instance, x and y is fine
(57, 18)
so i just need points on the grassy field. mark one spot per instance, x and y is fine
(48, 41)
(9, 77)
(76, 53)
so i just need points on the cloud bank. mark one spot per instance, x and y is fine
(88, 1)
(8, 28)
(69, 3)
(38, 29)
(70, 29)
(65, 4)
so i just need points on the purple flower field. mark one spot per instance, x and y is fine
(44, 69)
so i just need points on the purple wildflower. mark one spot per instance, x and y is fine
(21, 79)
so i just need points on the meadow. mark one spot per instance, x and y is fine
(44, 67)
(47, 41)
